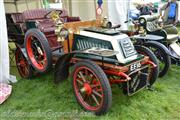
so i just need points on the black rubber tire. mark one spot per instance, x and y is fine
(18, 57)
(155, 71)
(107, 100)
(45, 46)
(165, 56)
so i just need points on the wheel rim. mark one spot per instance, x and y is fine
(22, 64)
(88, 88)
(36, 52)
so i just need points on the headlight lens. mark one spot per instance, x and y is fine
(61, 33)
(64, 33)
(142, 31)
(142, 21)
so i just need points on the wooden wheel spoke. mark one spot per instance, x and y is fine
(26, 70)
(82, 76)
(90, 100)
(92, 81)
(85, 97)
(97, 94)
(40, 63)
(92, 78)
(43, 61)
(98, 90)
(79, 81)
(22, 69)
(95, 99)
(96, 85)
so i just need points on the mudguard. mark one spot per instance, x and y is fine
(171, 30)
(157, 44)
(62, 67)
(21, 47)
(63, 64)
(160, 32)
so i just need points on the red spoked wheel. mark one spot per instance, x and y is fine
(91, 87)
(22, 64)
(38, 50)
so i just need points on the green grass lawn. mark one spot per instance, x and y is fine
(39, 98)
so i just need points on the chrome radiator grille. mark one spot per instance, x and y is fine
(83, 43)
(152, 26)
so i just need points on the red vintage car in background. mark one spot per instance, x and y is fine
(34, 29)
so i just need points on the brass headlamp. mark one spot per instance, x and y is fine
(142, 31)
(106, 23)
(61, 32)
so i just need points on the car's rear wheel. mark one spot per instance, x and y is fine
(24, 68)
(38, 50)
(154, 71)
(91, 87)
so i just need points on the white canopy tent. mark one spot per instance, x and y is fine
(117, 11)
(4, 53)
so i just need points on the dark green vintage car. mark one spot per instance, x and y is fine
(169, 32)
(98, 55)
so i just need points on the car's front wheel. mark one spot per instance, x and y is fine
(91, 87)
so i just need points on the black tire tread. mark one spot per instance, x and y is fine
(44, 42)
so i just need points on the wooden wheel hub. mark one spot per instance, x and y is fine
(86, 89)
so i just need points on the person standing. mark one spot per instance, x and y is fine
(170, 15)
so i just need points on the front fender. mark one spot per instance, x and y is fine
(21, 47)
(61, 71)
(63, 64)
(161, 32)
(158, 45)
(171, 30)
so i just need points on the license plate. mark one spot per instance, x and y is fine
(135, 66)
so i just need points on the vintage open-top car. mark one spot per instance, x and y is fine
(155, 26)
(146, 31)
(99, 56)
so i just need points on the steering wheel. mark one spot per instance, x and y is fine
(53, 14)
